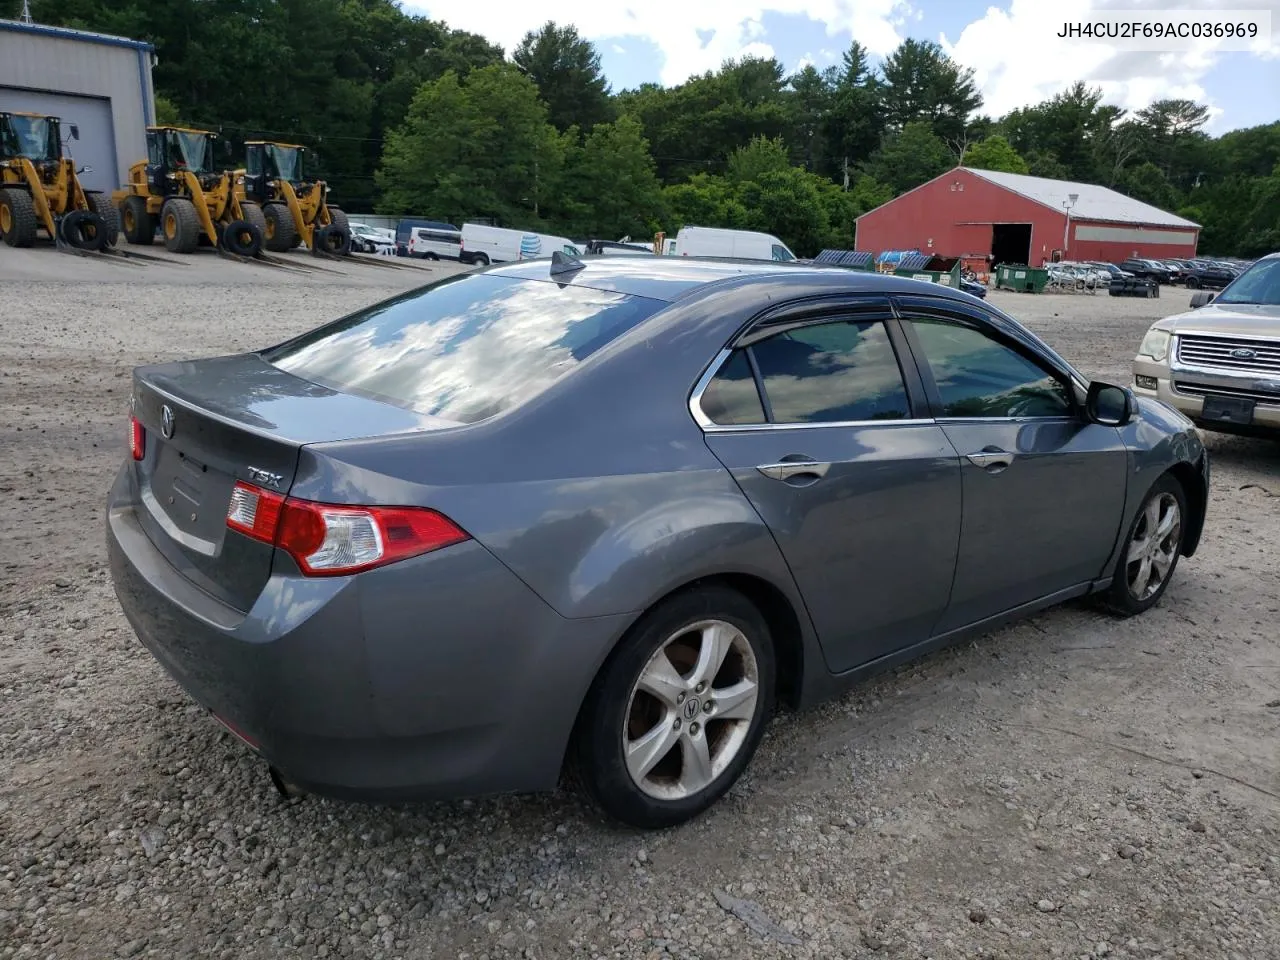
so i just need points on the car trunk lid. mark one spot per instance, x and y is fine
(210, 423)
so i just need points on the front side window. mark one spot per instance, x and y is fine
(782, 253)
(465, 348)
(978, 376)
(834, 372)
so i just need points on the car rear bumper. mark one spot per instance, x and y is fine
(437, 677)
(1186, 391)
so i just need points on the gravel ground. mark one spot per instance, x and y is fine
(1070, 787)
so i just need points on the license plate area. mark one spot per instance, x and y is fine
(192, 494)
(1237, 410)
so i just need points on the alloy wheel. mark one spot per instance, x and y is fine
(691, 710)
(1154, 547)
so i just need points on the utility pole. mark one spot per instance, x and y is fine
(845, 168)
(26, 11)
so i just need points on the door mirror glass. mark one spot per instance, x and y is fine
(1200, 298)
(75, 132)
(1110, 405)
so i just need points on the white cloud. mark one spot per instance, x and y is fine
(734, 26)
(1018, 59)
(618, 48)
(805, 61)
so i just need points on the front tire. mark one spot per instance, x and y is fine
(281, 233)
(18, 223)
(677, 712)
(180, 225)
(1151, 550)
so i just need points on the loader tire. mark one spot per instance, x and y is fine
(139, 226)
(338, 221)
(252, 213)
(100, 203)
(18, 223)
(180, 225)
(83, 230)
(281, 234)
(242, 238)
(332, 240)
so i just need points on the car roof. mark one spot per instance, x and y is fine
(670, 278)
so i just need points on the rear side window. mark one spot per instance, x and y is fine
(835, 372)
(465, 348)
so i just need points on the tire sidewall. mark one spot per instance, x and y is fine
(1121, 596)
(600, 741)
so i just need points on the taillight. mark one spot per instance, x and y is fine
(255, 512)
(328, 540)
(137, 438)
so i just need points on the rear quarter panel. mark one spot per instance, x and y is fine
(601, 494)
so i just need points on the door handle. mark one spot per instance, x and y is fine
(991, 458)
(785, 469)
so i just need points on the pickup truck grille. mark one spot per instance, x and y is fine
(1230, 353)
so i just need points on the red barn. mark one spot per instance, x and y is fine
(1020, 219)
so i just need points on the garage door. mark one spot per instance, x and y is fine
(92, 115)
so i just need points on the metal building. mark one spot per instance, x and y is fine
(101, 84)
(1019, 219)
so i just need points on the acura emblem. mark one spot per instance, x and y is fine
(1243, 353)
(166, 422)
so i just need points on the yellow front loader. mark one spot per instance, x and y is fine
(179, 190)
(39, 187)
(296, 208)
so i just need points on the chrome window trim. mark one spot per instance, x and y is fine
(837, 424)
(708, 426)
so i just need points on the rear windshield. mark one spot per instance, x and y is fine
(465, 348)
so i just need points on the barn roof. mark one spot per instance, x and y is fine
(1094, 203)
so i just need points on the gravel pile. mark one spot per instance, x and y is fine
(1071, 787)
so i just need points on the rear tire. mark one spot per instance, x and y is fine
(18, 223)
(281, 233)
(180, 225)
(1151, 550)
(139, 226)
(101, 204)
(480, 260)
(698, 720)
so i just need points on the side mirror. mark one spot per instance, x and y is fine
(85, 169)
(1201, 297)
(75, 132)
(1109, 405)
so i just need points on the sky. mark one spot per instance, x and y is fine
(1012, 45)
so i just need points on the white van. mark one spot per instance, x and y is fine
(434, 243)
(738, 244)
(485, 245)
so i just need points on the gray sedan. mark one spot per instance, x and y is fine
(610, 513)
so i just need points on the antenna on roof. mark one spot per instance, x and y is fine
(564, 263)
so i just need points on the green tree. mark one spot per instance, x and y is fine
(475, 147)
(921, 83)
(704, 200)
(910, 157)
(758, 157)
(610, 186)
(994, 153)
(566, 69)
